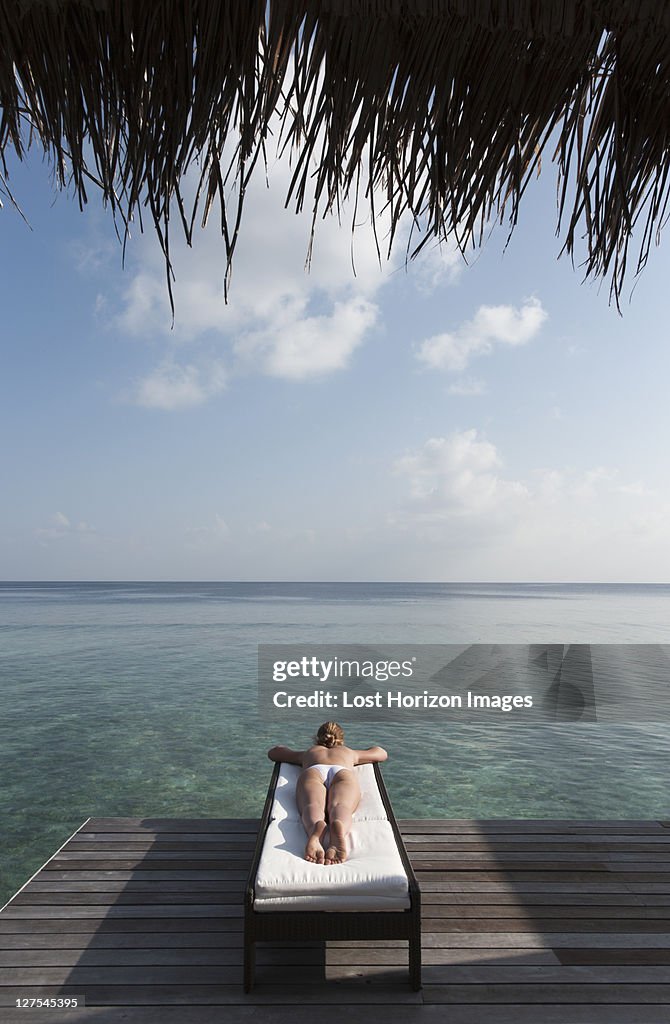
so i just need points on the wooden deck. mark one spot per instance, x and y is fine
(557, 922)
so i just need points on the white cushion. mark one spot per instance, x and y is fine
(372, 877)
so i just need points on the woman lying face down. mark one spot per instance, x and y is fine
(327, 792)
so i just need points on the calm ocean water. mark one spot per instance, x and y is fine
(140, 699)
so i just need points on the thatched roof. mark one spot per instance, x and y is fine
(446, 105)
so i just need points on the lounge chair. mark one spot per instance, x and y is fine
(373, 895)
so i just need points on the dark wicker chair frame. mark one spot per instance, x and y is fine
(299, 925)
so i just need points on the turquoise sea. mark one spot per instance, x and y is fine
(140, 699)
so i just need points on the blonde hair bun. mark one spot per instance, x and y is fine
(330, 734)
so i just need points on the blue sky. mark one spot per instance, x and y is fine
(491, 421)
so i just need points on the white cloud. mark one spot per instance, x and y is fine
(439, 264)
(490, 325)
(458, 476)
(271, 289)
(221, 526)
(468, 387)
(637, 489)
(299, 347)
(60, 527)
(587, 486)
(467, 518)
(462, 474)
(180, 386)
(213, 535)
(261, 527)
(281, 318)
(92, 256)
(145, 301)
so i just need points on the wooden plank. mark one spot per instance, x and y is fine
(614, 956)
(531, 913)
(450, 858)
(544, 994)
(513, 875)
(570, 830)
(510, 1013)
(159, 862)
(477, 974)
(423, 851)
(142, 857)
(546, 925)
(527, 825)
(173, 911)
(209, 849)
(535, 862)
(532, 940)
(468, 840)
(535, 940)
(454, 884)
(358, 953)
(168, 956)
(119, 899)
(616, 857)
(12, 925)
(411, 1014)
(544, 907)
(548, 897)
(57, 938)
(141, 974)
(91, 875)
(204, 838)
(174, 825)
(133, 864)
(130, 886)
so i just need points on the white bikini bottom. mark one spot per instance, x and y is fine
(327, 772)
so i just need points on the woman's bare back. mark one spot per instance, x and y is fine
(343, 756)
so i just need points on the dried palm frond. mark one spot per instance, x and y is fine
(446, 106)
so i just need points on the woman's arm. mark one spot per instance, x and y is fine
(286, 755)
(370, 755)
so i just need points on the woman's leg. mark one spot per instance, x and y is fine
(343, 799)
(310, 796)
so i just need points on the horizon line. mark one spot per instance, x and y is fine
(286, 582)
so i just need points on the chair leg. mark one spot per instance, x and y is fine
(249, 964)
(415, 961)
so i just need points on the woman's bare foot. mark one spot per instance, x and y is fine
(337, 850)
(314, 851)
